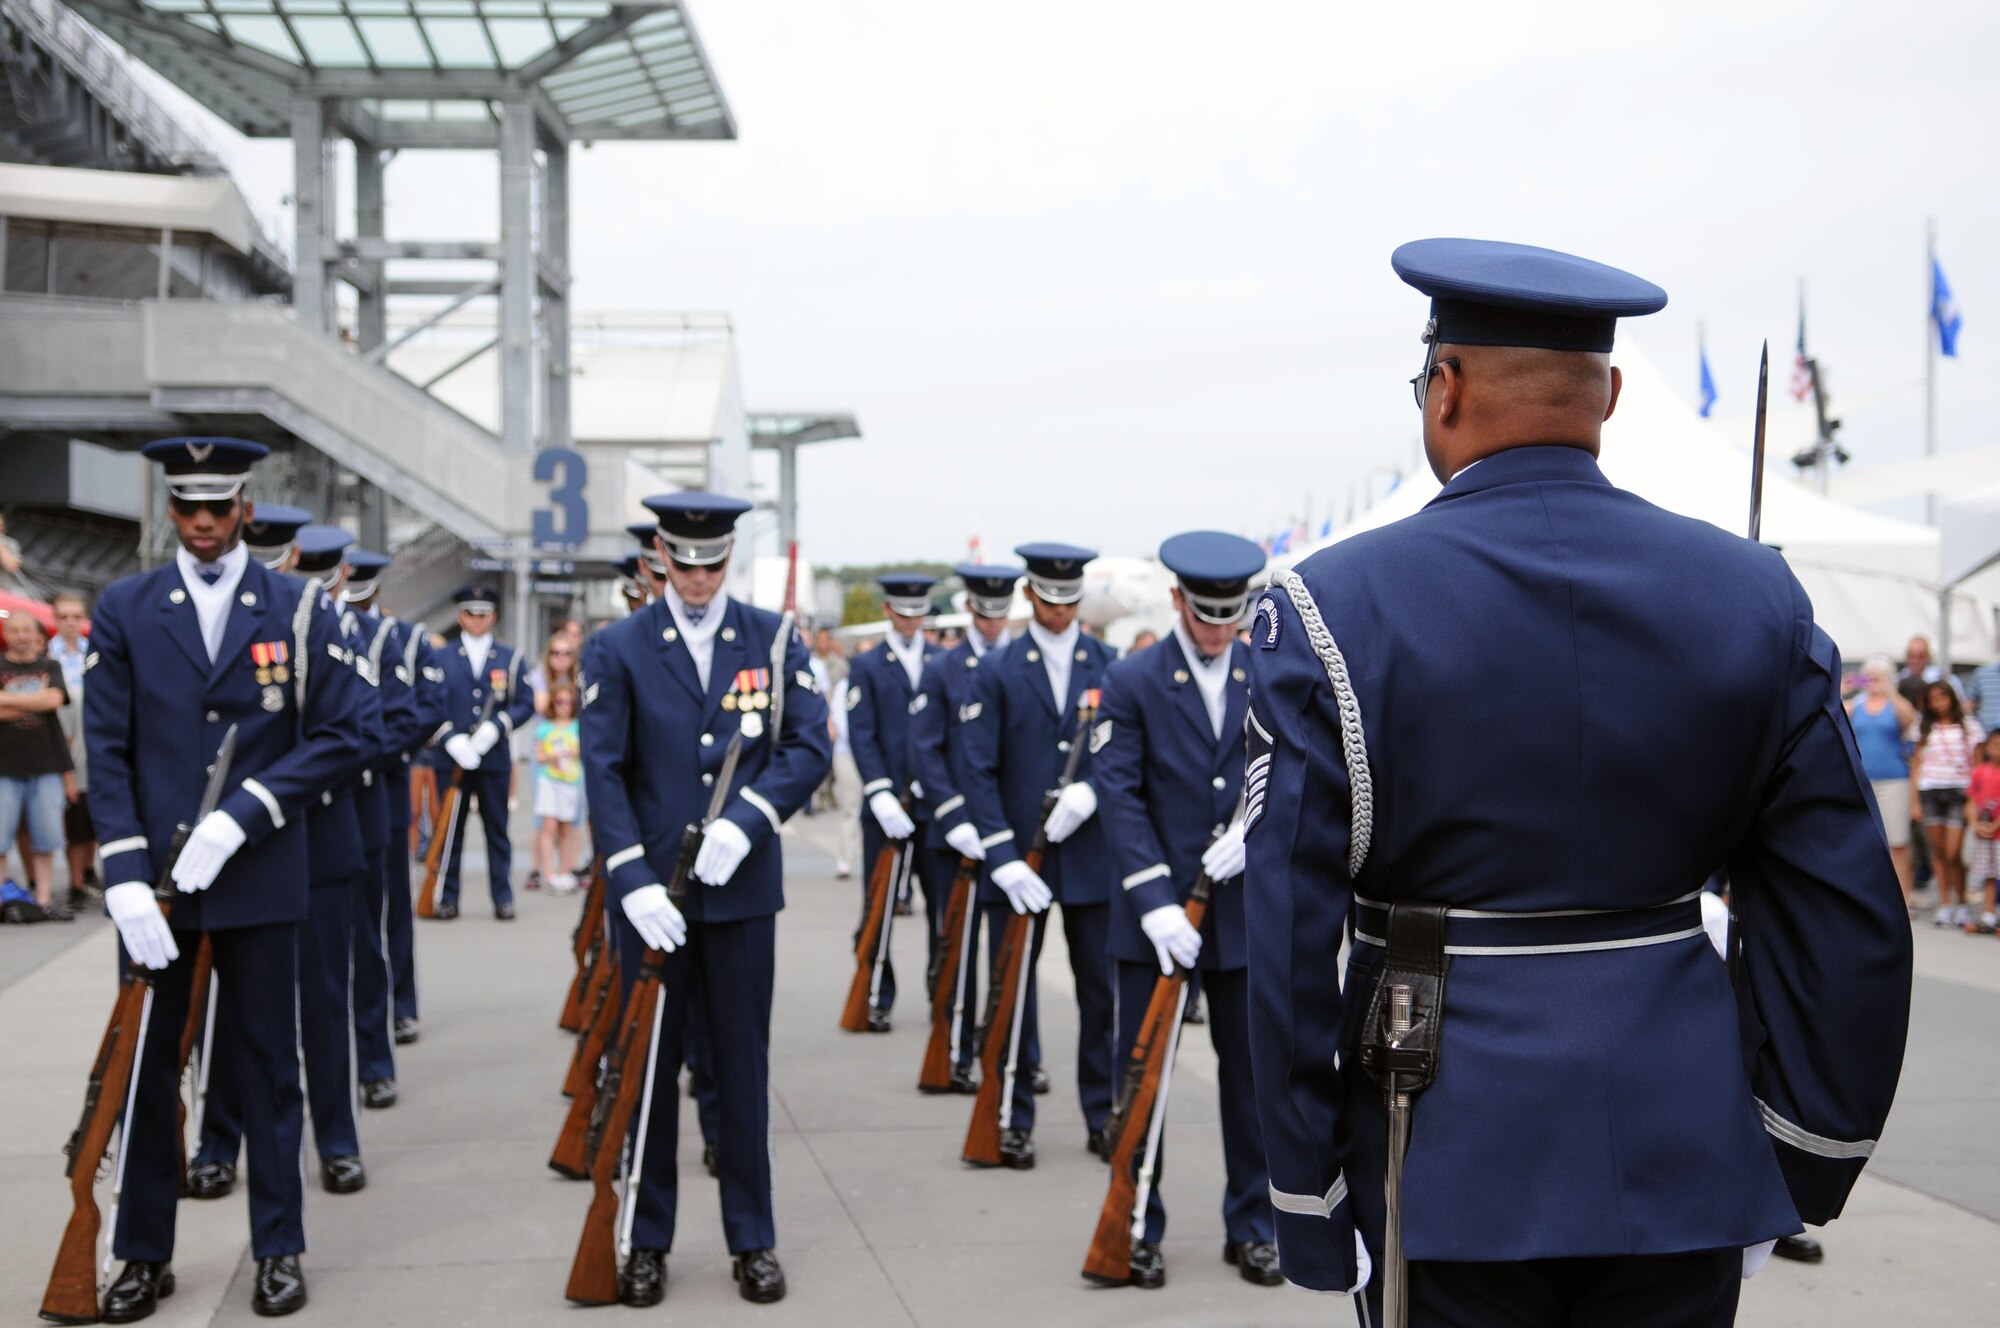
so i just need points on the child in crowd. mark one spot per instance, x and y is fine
(1984, 796)
(558, 789)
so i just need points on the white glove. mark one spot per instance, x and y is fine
(141, 925)
(659, 924)
(723, 848)
(964, 837)
(889, 814)
(1027, 892)
(484, 737)
(1174, 939)
(1223, 860)
(1754, 1257)
(214, 840)
(1715, 921)
(1364, 1267)
(1074, 805)
(460, 749)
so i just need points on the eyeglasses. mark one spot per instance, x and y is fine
(1421, 384)
(219, 508)
(561, 654)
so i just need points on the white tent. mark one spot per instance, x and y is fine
(1873, 579)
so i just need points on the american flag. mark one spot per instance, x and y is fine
(1802, 373)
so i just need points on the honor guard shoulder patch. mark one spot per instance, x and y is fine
(1256, 770)
(1100, 736)
(918, 702)
(1264, 627)
(853, 696)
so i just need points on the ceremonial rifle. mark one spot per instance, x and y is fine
(948, 978)
(201, 1011)
(1757, 446)
(1006, 1002)
(1142, 1097)
(871, 945)
(599, 996)
(446, 828)
(593, 1276)
(587, 944)
(571, 1156)
(71, 1296)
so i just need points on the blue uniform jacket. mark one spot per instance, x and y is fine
(1166, 787)
(937, 752)
(465, 697)
(1571, 700)
(653, 742)
(402, 725)
(345, 821)
(1016, 744)
(879, 701)
(154, 715)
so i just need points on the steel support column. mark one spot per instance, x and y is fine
(371, 326)
(517, 275)
(311, 205)
(555, 303)
(788, 494)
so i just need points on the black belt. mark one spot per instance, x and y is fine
(1473, 931)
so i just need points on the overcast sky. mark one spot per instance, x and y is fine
(1103, 271)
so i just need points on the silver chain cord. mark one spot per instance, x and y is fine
(1353, 741)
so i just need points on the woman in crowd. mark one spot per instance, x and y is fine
(1940, 771)
(35, 770)
(557, 671)
(1881, 719)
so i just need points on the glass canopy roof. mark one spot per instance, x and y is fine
(612, 68)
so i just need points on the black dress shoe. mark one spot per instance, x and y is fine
(281, 1287)
(1255, 1260)
(643, 1280)
(1099, 1144)
(1038, 1081)
(1017, 1150)
(759, 1277)
(1149, 1266)
(962, 1081)
(1193, 1014)
(210, 1180)
(1799, 1249)
(406, 1031)
(378, 1094)
(504, 912)
(343, 1175)
(878, 1021)
(708, 1155)
(138, 1291)
(446, 911)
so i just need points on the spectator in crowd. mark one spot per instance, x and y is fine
(557, 668)
(846, 786)
(828, 652)
(1982, 696)
(1147, 636)
(1983, 800)
(10, 562)
(829, 668)
(35, 773)
(558, 789)
(1881, 717)
(70, 650)
(1940, 772)
(1919, 670)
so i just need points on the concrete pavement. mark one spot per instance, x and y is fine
(878, 1221)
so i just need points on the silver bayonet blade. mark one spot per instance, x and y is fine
(218, 774)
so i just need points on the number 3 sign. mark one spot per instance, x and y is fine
(565, 522)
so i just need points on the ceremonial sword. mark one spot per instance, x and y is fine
(1757, 446)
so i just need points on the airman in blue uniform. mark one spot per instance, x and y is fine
(1502, 743)
(179, 654)
(881, 691)
(413, 707)
(937, 757)
(1170, 781)
(1017, 731)
(664, 693)
(477, 670)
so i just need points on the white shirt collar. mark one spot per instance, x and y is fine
(211, 602)
(979, 645)
(1056, 657)
(478, 649)
(1211, 677)
(909, 652)
(699, 637)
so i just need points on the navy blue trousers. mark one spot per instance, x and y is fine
(401, 910)
(1087, 933)
(1246, 1191)
(489, 789)
(1697, 1290)
(374, 1046)
(324, 1022)
(701, 1068)
(251, 963)
(924, 871)
(731, 965)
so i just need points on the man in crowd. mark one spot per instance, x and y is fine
(70, 650)
(35, 768)
(485, 701)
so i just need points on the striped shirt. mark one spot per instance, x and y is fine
(1945, 758)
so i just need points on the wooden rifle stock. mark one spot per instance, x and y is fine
(442, 831)
(589, 944)
(593, 1276)
(603, 994)
(871, 943)
(570, 1156)
(954, 957)
(1140, 1095)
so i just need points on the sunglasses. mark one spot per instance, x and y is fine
(218, 508)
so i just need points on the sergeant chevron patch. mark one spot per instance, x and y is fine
(1099, 736)
(1257, 772)
(853, 697)
(918, 703)
(805, 679)
(970, 711)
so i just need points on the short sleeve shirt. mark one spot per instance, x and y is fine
(32, 744)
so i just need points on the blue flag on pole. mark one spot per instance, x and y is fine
(1707, 385)
(1944, 312)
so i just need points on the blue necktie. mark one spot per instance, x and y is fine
(210, 573)
(695, 613)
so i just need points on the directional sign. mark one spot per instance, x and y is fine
(565, 522)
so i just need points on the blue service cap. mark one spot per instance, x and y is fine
(364, 565)
(907, 593)
(989, 587)
(699, 528)
(475, 599)
(1055, 571)
(644, 532)
(1490, 293)
(1214, 570)
(205, 469)
(273, 526)
(628, 566)
(320, 548)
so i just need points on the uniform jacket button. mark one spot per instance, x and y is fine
(1063, 746)
(213, 717)
(1220, 782)
(707, 779)
(708, 740)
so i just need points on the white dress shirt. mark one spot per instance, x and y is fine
(979, 644)
(478, 649)
(699, 638)
(909, 652)
(211, 602)
(1211, 677)
(1057, 654)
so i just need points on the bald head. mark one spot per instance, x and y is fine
(1497, 397)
